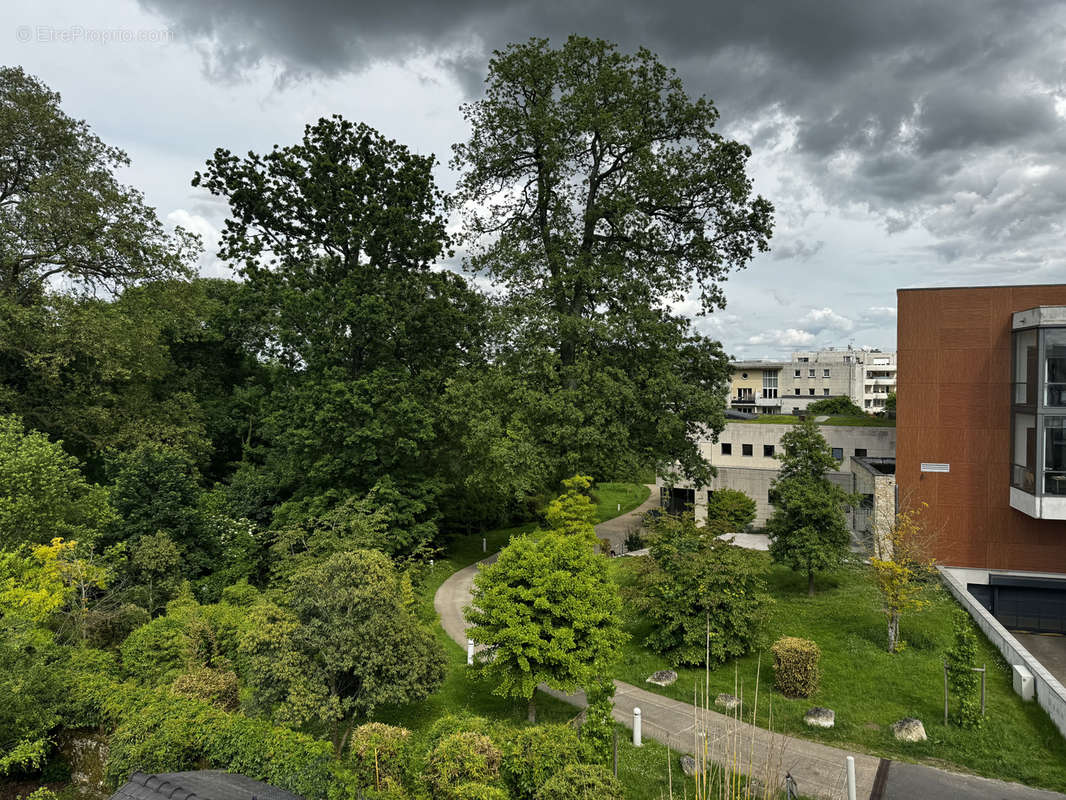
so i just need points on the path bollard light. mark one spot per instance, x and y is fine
(636, 726)
(851, 777)
(484, 545)
(470, 652)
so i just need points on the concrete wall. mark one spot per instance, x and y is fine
(1050, 694)
(755, 483)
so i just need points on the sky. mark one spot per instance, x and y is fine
(902, 143)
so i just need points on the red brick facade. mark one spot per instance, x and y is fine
(953, 406)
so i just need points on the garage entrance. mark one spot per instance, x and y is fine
(1035, 605)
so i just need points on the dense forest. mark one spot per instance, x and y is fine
(200, 479)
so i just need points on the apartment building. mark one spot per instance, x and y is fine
(867, 377)
(745, 457)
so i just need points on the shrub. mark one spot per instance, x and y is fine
(731, 508)
(457, 723)
(218, 687)
(693, 580)
(963, 682)
(796, 666)
(156, 653)
(582, 782)
(378, 753)
(597, 731)
(536, 753)
(459, 758)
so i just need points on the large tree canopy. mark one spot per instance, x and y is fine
(62, 213)
(596, 193)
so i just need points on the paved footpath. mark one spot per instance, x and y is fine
(817, 768)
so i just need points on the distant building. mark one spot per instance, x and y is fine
(866, 377)
(745, 456)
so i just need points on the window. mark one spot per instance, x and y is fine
(838, 453)
(797, 373)
(825, 373)
(743, 374)
(797, 390)
(810, 392)
(768, 450)
(746, 450)
(810, 372)
(847, 359)
(803, 359)
(796, 409)
(727, 449)
(860, 452)
(825, 392)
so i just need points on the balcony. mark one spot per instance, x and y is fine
(1038, 413)
(754, 400)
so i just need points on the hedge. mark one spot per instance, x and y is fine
(796, 666)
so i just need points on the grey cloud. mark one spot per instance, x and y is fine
(796, 250)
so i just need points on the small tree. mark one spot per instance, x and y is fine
(900, 562)
(963, 682)
(890, 402)
(573, 512)
(695, 586)
(730, 508)
(548, 614)
(808, 529)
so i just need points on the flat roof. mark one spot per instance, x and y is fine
(988, 286)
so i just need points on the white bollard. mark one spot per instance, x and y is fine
(484, 545)
(469, 652)
(636, 726)
(851, 777)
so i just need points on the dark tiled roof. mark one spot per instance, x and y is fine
(212, 784)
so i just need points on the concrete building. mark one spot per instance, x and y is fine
(745, 457)
(875, 483)
(867, 377)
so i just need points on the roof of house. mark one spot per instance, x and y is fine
(209, 784)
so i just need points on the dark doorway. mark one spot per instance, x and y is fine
(680, 500)
(1035, 605)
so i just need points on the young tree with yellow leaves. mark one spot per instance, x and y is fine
(900, 560)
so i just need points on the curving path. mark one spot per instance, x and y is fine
(817, 768)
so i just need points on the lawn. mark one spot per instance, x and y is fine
(865, 421)
(642, 770)
(868, 688)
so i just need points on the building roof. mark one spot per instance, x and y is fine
(878, 466)
(208, 784)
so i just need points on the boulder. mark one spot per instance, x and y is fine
(909, 729)
(819, 717)
(663, 677)
(727, 701)
(688, 765)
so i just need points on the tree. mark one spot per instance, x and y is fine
(900, 565)
(335, 237)
(343, 645)
(808, 529)
(64, 214)
(596, 192)
(890, 402)
(573, 512)
(705, 597)
(841, 406)
(547, 613)
(155, 562)
(43, 494)
(731, 509)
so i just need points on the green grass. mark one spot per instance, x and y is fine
(865, 421)
(642, 770)
(868, 688)
(610, 495)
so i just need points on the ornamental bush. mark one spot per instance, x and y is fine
(796, 666)
(730, 508)
(536, 753)
(378, 753)
(582, 782)
(459, 758)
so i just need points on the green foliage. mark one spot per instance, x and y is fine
(573, 512)
(595, 190)
(64, 212)
(839, 406)
(582, 782)
(890, 402)
(378, 754)
(808, 529)
(155, 563)
(536, 753)
(731, 507)
(461, 758)
(796, 671)
(478, 791)
(156, 653)
(43, 494)
(547, 612)
(218, 687)
(343, 645)
(963, 683)
(597, 731)
(703, 595)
